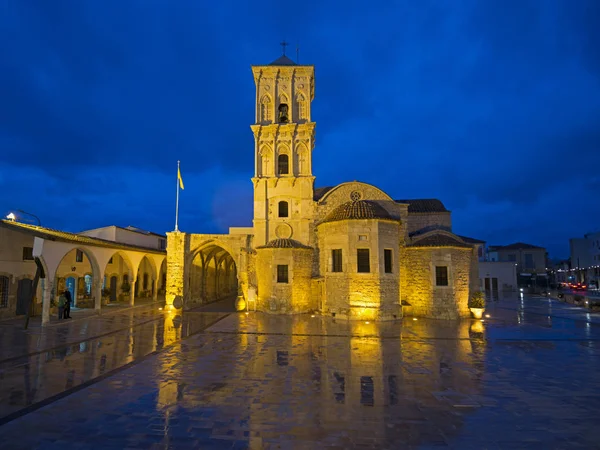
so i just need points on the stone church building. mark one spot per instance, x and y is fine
(349, 251)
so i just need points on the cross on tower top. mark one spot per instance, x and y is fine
(283, 46)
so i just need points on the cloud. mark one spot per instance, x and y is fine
(493, 106)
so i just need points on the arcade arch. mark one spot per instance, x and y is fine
(213, 275)
(76, 273)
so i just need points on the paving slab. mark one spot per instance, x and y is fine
(522, 378)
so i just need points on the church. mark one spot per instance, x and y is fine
(349, 251)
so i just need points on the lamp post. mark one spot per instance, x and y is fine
(12, 216)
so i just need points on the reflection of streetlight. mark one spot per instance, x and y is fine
(11, 216)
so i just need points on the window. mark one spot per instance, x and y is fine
(512, 258)
(282, 273)
(283, 165)
(283, 113)
(125, 279)
(283, 209)
(78, 256)
(441, 276)
(27, 253)
(336, 260)
(110, 261)
(162, 244)
(387, 260)
(529, 261)
(3, 292)
(362, 260)
(362, 237)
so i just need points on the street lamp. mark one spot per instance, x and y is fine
(11, 216)
(39, 222)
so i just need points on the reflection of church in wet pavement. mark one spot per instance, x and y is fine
(348, 251)
(301, 381)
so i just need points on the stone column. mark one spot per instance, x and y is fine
(155, 290)
(97, 292)
(132, 291)
(46, 296)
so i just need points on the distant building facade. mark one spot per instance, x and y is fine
(95, 270)
(531, 262)
(585, 258)
(350, 251)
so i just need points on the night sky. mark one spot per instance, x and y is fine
(491, 106)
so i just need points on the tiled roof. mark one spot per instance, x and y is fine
(471, 240)
(320, 192)
(284, 243)
(283, 61)
(425, 205)
(515, 246)
(63, 236)
(361, 209)
(439, 240)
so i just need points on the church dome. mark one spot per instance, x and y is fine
(284, 243)
(357, 210)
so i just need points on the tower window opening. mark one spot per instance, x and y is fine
(283, 209)
(283, 113)
(283, 165)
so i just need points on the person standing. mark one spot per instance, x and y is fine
(62, 300)
(67, 304)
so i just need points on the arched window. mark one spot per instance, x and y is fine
(283, 209)
(283, 165)
(265, 109)
(283, 113)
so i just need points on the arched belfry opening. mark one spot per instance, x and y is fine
(213, 277)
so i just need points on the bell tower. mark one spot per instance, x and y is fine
(283, 145)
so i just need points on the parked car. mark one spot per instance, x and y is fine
(578, 286)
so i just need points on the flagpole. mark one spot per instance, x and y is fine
(177, 202)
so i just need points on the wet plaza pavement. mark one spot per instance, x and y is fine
(527, 377)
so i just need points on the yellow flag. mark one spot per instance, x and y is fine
(179, 178)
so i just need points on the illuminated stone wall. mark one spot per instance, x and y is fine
(373, 295)
(418, 281)
(424, 221)
(178, 247)
(280, 298)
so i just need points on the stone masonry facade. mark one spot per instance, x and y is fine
(350, 251)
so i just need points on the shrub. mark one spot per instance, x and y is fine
(477, 300)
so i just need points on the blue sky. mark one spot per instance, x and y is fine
(491, 106)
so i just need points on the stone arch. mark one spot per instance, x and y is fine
(120, 267)
(145, 278)
(213, 274)
(283, 109)
(283, 159)
(68, 267)
(266, 109)
(343, 193)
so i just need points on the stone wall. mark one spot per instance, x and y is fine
(429, 221)
(418, 281)
(369, 296)
(281, 298)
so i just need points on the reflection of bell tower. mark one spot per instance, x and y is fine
(284, 140)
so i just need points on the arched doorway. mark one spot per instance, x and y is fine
(213, 276)
(116, 282)
(75, 273)
(144, 282)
